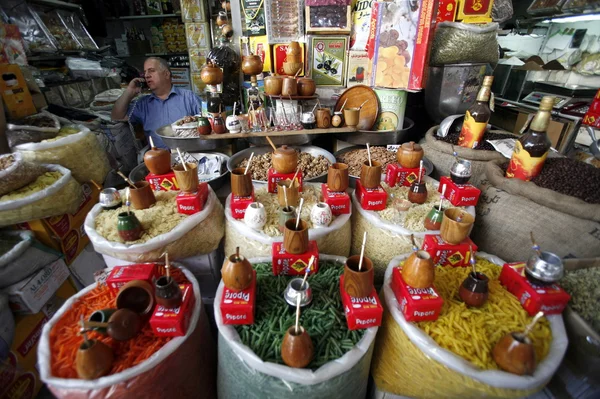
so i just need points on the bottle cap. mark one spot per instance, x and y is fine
(547, 103)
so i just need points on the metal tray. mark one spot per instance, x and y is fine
(373, 137)
(427, 164)
(139, 172)
(314, 151)
(292, 139)
(167, 134)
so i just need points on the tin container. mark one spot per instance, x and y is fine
(296, 289)
(392, 105)
(110, 198)
(461, 171)
(544, 269)
(327, 60)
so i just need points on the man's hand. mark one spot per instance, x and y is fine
(119, 111)
(134, 87)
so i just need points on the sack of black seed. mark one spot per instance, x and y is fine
(565, 224)
(439, 151)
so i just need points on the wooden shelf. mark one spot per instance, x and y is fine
(229, 136)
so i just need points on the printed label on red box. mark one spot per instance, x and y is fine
(164, 182)
(361, 313)
(121, 275)
(237, 307)
(371, 199)
(173, 322)
(294, 265)
(550, 299)
(190, 203)
(445, 254)
(459, 194)
(238, 205)
(339, 202)
(396, 175)
(416, 304)
(274, 177)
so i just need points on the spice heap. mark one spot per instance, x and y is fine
(584, 287)
(452, 138)
(355, 158)
(42, 182)
(309, 165)
(324, 319)
(6, 162)
(472, 333)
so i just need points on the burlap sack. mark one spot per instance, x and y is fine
(440, 154)
(509, 209)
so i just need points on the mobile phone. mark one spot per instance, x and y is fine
(142, 83)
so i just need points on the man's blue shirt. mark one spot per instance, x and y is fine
(153, 113)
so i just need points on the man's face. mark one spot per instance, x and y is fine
(155, 76)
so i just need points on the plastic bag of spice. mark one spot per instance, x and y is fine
(456, 43)
(243, 374)
(16, 173)
(32, 129)
(509, 209)
(409, 363)
(440, 154)
(197, 234)
(182, 368)
(80, 152)
(37, 201)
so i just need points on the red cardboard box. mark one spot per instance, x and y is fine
(459, 194)
(446, 11)
(294, 265)
(592, 116)
(416, 304)
(274, 177)
(446, 254)
(339, 202)
(121, 275)
(164, 182)
(174, 322)
(396, 175)
(190, 203)
(238, 205)
(361, 313)
(237, 307)
(371, 199)
(550, 299)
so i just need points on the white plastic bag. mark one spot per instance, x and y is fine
(23, 131)
(242, 374)
(24, 257)
(64, 196)
(80, 152)
(197, 234)
(17, 175)
(181, 368)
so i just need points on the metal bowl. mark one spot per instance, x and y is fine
(110, 197)
(312, 150)
(168, 135)
(547, 268)
(139, 172)
(292, 139)
(294, 290)
(427, 164)
(462, 168)
(374, 137)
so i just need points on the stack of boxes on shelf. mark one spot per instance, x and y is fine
(197, 32)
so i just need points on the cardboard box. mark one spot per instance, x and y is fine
(396, 175)
(446, 11)
(13, 87)
(459, 194)
(65, 233)
(84, 266)
(445, 254)
(192, 10)
(312, 14)
(20, 379)
(333, 51)
(339, 202)
(190, 203)
(198, 35)
(174, 322)
(238, 205)
(397, 49)
(294, 265)
(121, 275)
(29, 296)
(475, 11)
(358, 68)
(166, 182)
(550, 299)
(371, 199)
(416, 304)
(238, 307)
(280, 56)
(274, 177)
(361, 313)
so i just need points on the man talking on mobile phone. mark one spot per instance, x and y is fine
(164, 106)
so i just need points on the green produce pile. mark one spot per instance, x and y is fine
(584, 287)
(324, 319)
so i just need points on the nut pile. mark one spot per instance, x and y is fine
(311, 166)
(452, 138)
(355, 158)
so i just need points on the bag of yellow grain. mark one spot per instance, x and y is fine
(451, 356)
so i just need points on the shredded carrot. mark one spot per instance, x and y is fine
(65, 338)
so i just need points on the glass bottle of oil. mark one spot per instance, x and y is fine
(477, 117)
